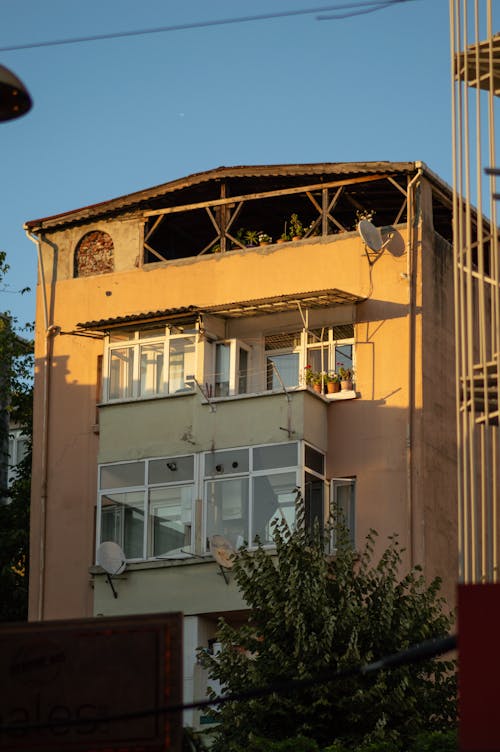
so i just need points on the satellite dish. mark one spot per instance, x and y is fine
(111, 558)
(222, 551)
(370, 235)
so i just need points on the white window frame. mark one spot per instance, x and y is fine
(235, 345)
(145, 488)
(165, 336)
(350, 513)
(252, 473)
(14, 453)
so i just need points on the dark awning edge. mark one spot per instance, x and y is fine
(239, 309)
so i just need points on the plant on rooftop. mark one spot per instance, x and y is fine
(296, 227)
(310, 613)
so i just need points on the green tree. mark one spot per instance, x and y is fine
(16, 396)
(310, 612)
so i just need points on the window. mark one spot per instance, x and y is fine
(147, 507)
(150, 363)
(343, 505)
(283, 359)
(18, 448)
(247, 489)
(231, 368)
(331, 348)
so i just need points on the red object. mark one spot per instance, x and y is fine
(479, 667)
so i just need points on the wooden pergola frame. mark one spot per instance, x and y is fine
(228, 209)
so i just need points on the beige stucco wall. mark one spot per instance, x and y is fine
(366, 437)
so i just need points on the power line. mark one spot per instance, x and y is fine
(352, 9)
(422, 651)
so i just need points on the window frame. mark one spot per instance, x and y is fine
(350, 517)
(135, 343)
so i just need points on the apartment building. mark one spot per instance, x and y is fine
(176, 331)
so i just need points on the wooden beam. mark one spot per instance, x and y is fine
(265, 194)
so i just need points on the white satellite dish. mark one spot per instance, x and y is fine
(370, 235)
(111, 558)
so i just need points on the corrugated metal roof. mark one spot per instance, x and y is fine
(239, 309)
(139, 199)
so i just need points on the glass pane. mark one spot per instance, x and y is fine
(317, 358)
(344, 331)
(243, 371)
(121, 372)
(121, 336)
(122, 521)
(123, 475)
(273, 499)
(343, 356)
(181, 368)
(150, 333)
(222, 359)
(152, 369)
(343, 500)
(278, 455)
(170, 520)
(171, 470)
(314, 506)
(288, 367)
(227, 509)
(314, 460)
(228, 462)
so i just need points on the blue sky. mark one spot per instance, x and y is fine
(115, 116)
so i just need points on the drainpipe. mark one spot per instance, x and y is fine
(44, 446)
(411, 364)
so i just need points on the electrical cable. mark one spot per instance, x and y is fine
(370, 6)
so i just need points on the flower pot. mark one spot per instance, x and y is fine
(346, 386)
(297, 237)
(333, 386)
(281, 240)
(264, 242)
(317, 388)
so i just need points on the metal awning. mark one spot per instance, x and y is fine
(239, 309)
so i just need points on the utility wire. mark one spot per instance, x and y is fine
(422, 651)
(353, 9)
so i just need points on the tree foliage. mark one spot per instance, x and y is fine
(16, 395)
(310, 612)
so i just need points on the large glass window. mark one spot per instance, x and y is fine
(147, 506)
(150, 363)
(247, 489)
(150, 508)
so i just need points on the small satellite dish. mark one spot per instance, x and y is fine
(222, 551)
(370, 235)
(111, 558)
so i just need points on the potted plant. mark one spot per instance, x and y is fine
(264, 238)
(308, 375)
(318, 381)
(333, 383)
(284, 236)
(296, 227)
(251, 237)
(346, 376)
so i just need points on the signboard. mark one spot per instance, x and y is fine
(61, 681)
(479, 667)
